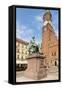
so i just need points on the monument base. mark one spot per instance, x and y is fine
(36, 69)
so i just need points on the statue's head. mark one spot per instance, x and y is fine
(33, 38)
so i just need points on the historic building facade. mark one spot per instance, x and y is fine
(21, 49)
(49, 41)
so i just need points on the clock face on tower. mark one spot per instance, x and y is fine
(46, 22)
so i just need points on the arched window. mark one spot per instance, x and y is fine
(54, 53)
(55, 63)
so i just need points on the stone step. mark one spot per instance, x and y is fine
(53, 69)
(20, 73)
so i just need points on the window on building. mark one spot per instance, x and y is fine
(55, 63)
(18, 44)
(22, 57)
(22, 46)
(53, 53)
(26, 46)
(49, 37)
(51, 61)
(25, 52)
(18, 57)
(22, 52)
(17, 50)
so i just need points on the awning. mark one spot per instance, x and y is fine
(21, 62)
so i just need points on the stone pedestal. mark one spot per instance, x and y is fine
(36, 69)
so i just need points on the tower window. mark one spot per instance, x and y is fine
(55, 63)
(54, 54)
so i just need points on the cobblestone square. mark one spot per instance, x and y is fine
(21, 78)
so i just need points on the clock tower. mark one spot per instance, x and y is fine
(49, 40)
(46, 30)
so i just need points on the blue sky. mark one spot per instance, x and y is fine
(29, 23)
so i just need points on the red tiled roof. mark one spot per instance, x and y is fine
(22, 41)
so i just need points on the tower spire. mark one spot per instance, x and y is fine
(47, 16)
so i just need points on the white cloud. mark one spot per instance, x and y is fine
(19, 31)
(23, 27)
(23, 31)
(20, 28)
(39, 18)
(39, 21)
(18, 35)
